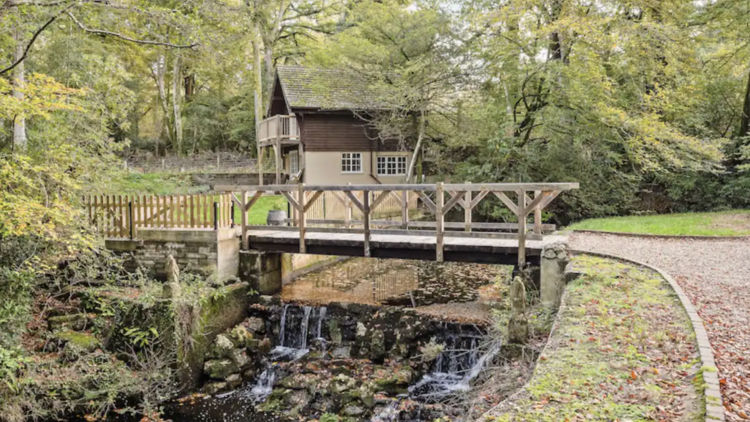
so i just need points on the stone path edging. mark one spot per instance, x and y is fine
(712, 391)
(660, 236)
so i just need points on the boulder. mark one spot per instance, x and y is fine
(255, 325)
(239, 357)
(214, 387)
(222, 347)
(352, 410)
(220, 369)
(265, 346)
(343, 352)
(377, 346)
(240, 335)
(234, 381)
(75, 322)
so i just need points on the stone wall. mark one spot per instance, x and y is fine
(207, 252)
(209, 161)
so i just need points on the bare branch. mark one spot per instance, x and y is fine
(33, 39)
(126, 38)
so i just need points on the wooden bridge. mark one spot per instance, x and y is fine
(429, 237)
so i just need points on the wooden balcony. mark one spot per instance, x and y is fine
(279, 130)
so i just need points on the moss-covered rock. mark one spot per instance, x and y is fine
(75, 322)
(220, 369)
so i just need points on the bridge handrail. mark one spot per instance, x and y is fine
(461, 194)
(473, 187)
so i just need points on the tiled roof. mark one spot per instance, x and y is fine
(325, 89)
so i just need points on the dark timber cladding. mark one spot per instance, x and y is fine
(339, 132)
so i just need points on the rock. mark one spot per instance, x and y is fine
(377, 346)
(248, 374)
(171, 291)
(342, 352)
(396, 382)
(214, 387)
(255, 325)
(222, 347)
(75, 322)
(239, 357)
(343, 383)
(220, 368)
(234, 381)
(361, 329)
(83, 341)
(241, 335)
(265, 346)
(299, 382)
(353, 410)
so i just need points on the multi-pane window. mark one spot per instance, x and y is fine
(392, 165)
(351, 162)
(294, 162)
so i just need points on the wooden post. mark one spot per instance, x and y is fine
(467, 209)
(216, 215)
(405, 209)
(192, 211)
(366, 219)
(347, 210)
(521, 229)
(131, 228)
(302, 218)
(260, 164)
(440, 218)
(278, 149)
(301, 160)
(537, 215)
(243, 220)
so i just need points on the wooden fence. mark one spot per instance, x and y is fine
(120, 216)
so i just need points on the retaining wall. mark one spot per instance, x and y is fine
(208, 252)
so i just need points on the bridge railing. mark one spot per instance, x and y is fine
(522, 199)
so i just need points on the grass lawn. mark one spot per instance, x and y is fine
(623, 350)
(259, 211)
(725, 223)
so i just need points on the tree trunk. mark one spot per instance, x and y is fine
(176, 78)
(745, 118)
(19, 80)
(161, 70)
(417, 147)
(189, 87)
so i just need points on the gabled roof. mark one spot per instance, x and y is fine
(325, 89)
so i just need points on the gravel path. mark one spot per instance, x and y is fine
(715, 274)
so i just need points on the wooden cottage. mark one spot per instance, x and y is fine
(313, 125)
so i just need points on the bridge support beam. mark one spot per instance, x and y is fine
(261, 270)
(552, 274)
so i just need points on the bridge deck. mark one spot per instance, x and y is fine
(457, 249)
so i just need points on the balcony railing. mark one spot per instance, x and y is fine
(281, 127)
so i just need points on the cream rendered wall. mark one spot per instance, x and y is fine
(324, 168)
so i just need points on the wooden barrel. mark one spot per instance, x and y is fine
(276, 218)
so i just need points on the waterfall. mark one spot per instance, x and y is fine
(292, 334)
(264, 386)
(454, 368)
(282, 329)
(321, 318)
(389, 413)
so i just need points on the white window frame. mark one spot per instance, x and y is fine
(391, 165)
(351, 160)
(293, 162)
